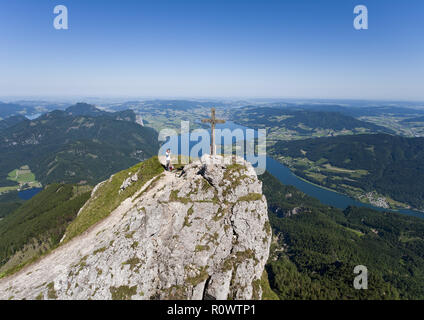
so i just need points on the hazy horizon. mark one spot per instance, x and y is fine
(258, 100)
(213, 50)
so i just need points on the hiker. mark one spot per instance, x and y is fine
(168, 159)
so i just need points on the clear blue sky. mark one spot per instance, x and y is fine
(213, 48)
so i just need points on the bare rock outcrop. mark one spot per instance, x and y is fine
(202, 232)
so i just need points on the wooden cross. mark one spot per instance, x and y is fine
(213, 121)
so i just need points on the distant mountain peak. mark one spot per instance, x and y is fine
(89, 110)
(11, 121)
(84, 109)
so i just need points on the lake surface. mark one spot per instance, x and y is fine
(328, 197)
(29, 193)
(33, 116)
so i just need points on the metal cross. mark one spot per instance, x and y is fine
(213, 121)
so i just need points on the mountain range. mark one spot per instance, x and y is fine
(285, 123)
(391, 165)
(203, 232)
(79, 144)
(199, 233)
(316, 248)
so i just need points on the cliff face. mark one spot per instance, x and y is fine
(197, 234)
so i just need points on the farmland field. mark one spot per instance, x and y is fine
(24, 178)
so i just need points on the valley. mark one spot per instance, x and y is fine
(401, 125)
(161, 114)
(38, 225)
(294, 124)
(378, 169)
(25, 179)
(389, 244)
(336, 179)
(217, 151)
(364, 160)
(315, 248)
(292, 121)
(80, 145)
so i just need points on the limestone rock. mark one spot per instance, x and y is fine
(127, 182)
(202, 232)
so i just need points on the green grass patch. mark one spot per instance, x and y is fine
(200, 248)
(99, 251)
(202, 276)
(173, 197)
(316, 176)
(238, 258)
(357, 232)
(22, 175)
(123, 292)
(107, 198)
(251, 197)
(7, 189)
(132, 262)
(51, 293)
(187, 217)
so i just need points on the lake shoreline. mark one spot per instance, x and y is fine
(325, 195)
(347, 195)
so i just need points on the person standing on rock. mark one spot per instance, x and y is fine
(168, 159)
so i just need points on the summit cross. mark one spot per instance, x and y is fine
(213, 121)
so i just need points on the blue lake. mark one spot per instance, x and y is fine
(328, 197)
(33, 116)
(29, 193)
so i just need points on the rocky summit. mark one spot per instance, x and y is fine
(197, 233)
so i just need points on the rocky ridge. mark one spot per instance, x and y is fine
(199, 233)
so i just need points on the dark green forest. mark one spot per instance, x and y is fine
(13, 109)
(317, 248)
(9, 202)
(314, 251)
(395, 164)
(40, 222)
(70, 148)
(267, 117)
(11, 121)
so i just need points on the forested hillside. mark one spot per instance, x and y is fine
(283, 123)
(89, 110)
(63, 146)
(39, 224)
(14, 109)
(11, 121)
(9, 202)
(391, 165)
(316, 248)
